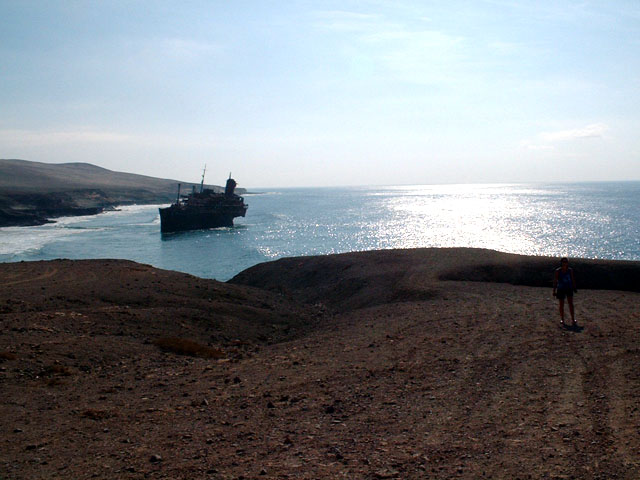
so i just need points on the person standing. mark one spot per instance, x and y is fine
(564, 286)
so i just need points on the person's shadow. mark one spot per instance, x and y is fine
(574, 328)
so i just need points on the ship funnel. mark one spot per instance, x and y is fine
(231, 186)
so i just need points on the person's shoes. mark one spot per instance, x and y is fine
(562, 323)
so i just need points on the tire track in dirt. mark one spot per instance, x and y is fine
(589, 418)
(612, 368)
(616, 417)
(50, 272)
(624, 416)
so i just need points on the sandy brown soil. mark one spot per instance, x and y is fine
(370, 365)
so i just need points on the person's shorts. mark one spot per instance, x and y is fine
(562, 293)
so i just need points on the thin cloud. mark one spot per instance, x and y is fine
(12, 138)
(346, 21)
(81, 136)
(186, 48)
(551, 141)
(536, 147)
(417, 39)
(504, 48)
(425, 57)
(595, 130)
(422, 56)
(145, 53)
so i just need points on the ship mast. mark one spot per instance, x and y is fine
(202, 182)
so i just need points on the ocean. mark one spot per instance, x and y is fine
(588, 220)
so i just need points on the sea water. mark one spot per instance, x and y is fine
(589, 220)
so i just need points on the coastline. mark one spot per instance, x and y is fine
(383, 364)
(41, 209)
(29, 210)
(34, 193)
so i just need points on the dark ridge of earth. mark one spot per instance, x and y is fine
(360, 279)
(427, 363)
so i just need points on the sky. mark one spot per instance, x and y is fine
(323, 93)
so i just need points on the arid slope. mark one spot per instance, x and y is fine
(367, 366)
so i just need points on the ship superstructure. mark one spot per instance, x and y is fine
(203, 209)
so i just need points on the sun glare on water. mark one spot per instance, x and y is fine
(498, 217)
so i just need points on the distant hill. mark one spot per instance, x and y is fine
(36, 177)
(33, 192)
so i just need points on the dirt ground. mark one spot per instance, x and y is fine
(359, 366)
